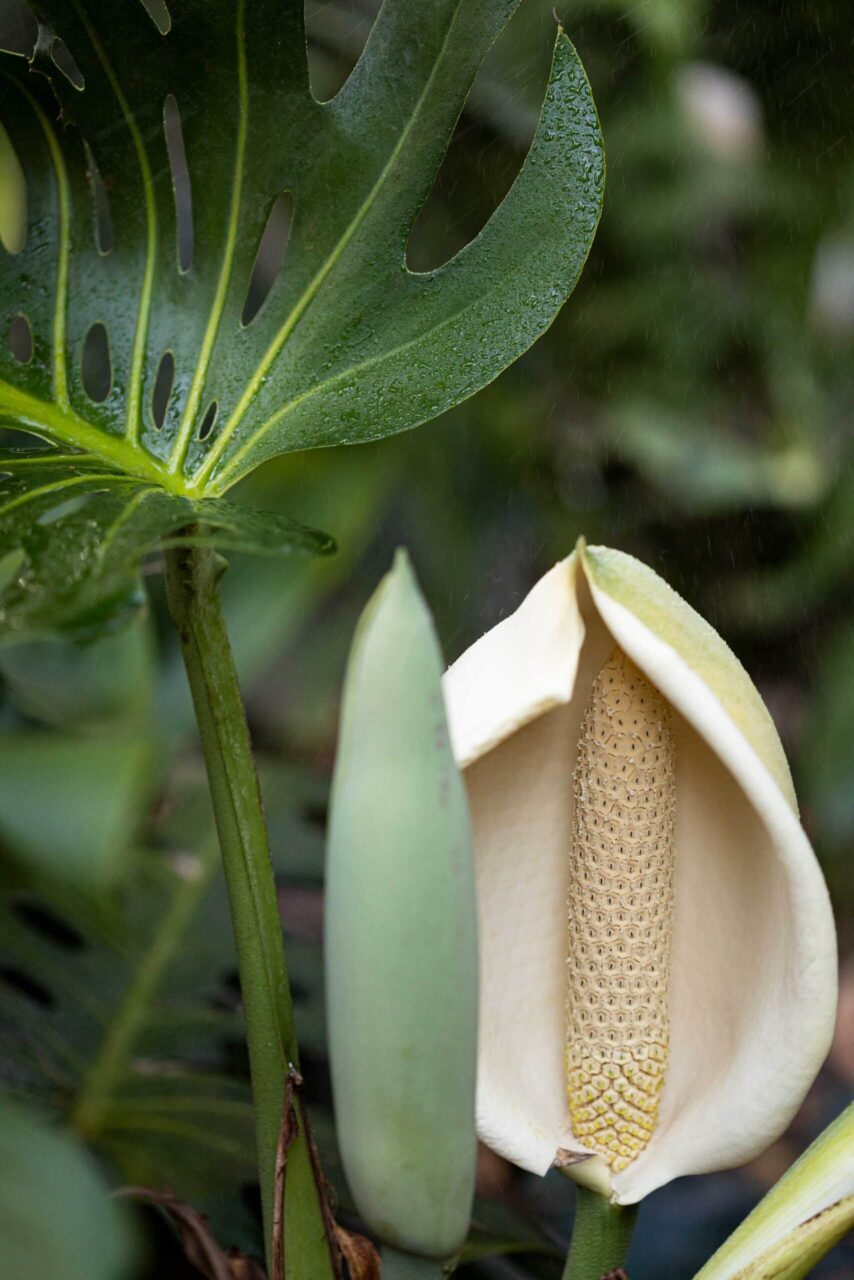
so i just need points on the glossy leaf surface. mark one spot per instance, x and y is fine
(153, 155)
(69, 805)
(119, 1023)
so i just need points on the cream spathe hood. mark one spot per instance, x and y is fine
(753, 963)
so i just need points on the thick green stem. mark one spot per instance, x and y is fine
(410, 1266)
(600, 1238)
(193, 593)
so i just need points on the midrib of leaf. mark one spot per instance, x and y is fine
(64, 425)
(304, 302)
(39, 459)
(94, 1098)
(113, 529)
(185, 433)
(144, 309)
(180, 1129)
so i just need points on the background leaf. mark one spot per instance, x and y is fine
(105, 684)
(123, 1018)
(55, 1215)
(69, 808)
(120, 1022)
(72, 534)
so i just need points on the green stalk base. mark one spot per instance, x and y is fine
(192, 576)
(600, 1238)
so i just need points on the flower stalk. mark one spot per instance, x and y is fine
(601, 1236)
(192, 578)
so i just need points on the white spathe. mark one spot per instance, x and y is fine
(753, 962)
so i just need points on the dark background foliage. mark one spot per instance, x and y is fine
(691, 405)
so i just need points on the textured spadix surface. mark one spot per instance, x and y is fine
(620, 913)
(752, 984)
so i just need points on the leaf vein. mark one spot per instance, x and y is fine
(134, 416)
(182, 443)
(304, 302)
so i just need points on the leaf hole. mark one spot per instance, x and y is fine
(207, 423)
(316, 815)
(25, 985)
(337, 35)
(63, 59)
(162, 388)
(228, 996)
(69, 507)
(270, 256)
(159, 15)
(181, 186)
(97, 365)
(10, 566)
(19, 27)
(101, 205)
(485, 153)
(20, 339)
(19, 439)
(49, 925)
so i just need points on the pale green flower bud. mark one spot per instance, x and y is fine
(401, 946)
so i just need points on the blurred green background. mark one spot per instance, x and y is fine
(692, 405)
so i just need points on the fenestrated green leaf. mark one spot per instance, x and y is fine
(69, 806)
(103, 687)
(120, 1023)
(123, 1021)
(72, 531)
(349, 345)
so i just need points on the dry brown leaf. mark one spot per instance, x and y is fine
(360, 1256)
(197, 1240)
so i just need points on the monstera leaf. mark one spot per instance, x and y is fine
(124, 1022)
(203, 266)
(120, 1026)
(55, 1215)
